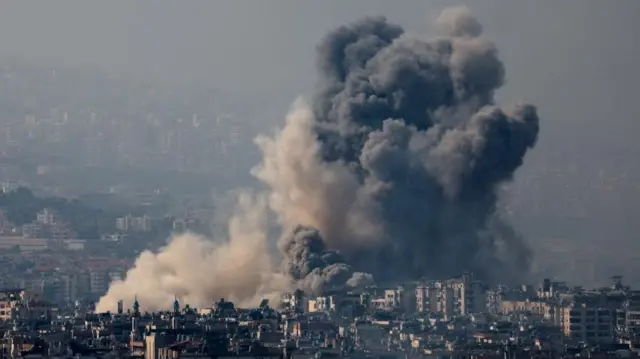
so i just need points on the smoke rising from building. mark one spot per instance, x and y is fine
(200, 271)
(314, 268)
(397, 159)
(389, 173)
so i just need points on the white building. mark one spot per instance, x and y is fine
(321, 304)
(47, 217)
(401, 298)
(134, 224)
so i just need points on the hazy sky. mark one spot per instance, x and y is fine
(575, 59)
(269, 44)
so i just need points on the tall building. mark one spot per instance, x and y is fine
(76, 285)
(452, 297)
(427, 298)
(587, 322)
(449, 305)
(99, 281)
(401, 298)
(631, 310)
(47, 217)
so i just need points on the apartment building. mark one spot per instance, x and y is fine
(452, 297)
(587, 322)
(134, 224)
(426, 298)
(548, 309)
(401, 298)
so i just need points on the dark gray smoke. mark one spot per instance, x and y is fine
(398, 159)
(315, 268)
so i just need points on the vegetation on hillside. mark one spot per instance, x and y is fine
(21, 207)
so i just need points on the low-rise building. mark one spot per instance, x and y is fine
(23, 244)
(134, 224)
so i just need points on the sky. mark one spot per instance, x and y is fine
(269, 44)
(574, 59)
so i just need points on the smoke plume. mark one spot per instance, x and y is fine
(396, 161)
(390, 173)
(199, 270)
(313, 267)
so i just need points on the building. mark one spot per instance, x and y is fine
(321, 304)
(9, 303)
(295, 301)
(23, 244)
(17, 303)
(134, 224)
(474, 297)
(47, 217)
(74, 244)
(101, 275)
(631, 313)
(187, 224)
(114, 237)
(5, 225)
(401, 298)
(426, 298)
(122, 224)
(452, 297)
(469, 295)
(547, 309)
(449, 306)
(75, 285)
(343, 305)
(494, 301)
(11, 186)
(61, 232)
(98, 281)
(33, 230)
(587, 322)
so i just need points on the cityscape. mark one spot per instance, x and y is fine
(322, 182)
(457, 317)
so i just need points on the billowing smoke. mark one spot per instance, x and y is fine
(314, 268)
(199, 270)
(397, 160)
(389, 173)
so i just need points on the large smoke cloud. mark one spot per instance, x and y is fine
(391, 172)
(397, 160)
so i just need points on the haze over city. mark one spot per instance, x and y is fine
(157, 151)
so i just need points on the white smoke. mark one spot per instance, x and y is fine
(199, 270)
(307, 191)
